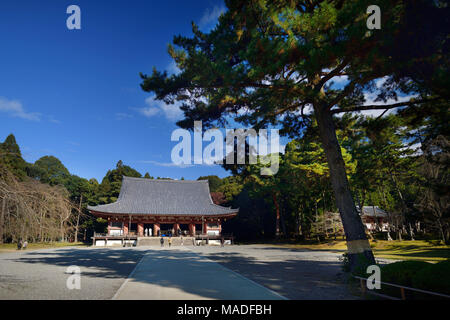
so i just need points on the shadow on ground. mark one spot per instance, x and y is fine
(180, 275)
(100, 262)
(294, 275)
(294, 278)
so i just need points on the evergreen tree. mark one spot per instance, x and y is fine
(11, 157)
(279, 58)
(214, 182)
(109, 189)
(49, 169)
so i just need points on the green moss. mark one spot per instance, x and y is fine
(434, 277)
(400, 273)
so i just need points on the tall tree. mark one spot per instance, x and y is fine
(214, 182)
(275, 61)
(109, 189)
(49, 169)
(11, 157)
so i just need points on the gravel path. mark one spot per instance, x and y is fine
(292, 273)
(180, 274)
(41, 274)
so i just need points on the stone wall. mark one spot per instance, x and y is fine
(155, 241)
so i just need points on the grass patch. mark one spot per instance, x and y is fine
(8, 247)
(397, 250)
(411, 250)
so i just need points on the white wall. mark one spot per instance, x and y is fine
(115, 232)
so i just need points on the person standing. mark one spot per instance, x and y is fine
(162, 241)
(169, 241)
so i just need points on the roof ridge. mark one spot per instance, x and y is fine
(165, 180)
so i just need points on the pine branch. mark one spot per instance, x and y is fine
(383, 107)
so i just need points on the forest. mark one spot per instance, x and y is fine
(399, 163)
(379, 138)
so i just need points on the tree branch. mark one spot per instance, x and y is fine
(382, 107)
(333, 73)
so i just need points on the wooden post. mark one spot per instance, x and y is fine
(140, 229)
(363, 286)
(192, 229)
(129, 228)
(402, 291)
(125, 229)
(176, 226)
(156, 228)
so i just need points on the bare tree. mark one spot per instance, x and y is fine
(434, 201)
(32, 210)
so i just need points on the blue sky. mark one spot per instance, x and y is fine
(75, 94)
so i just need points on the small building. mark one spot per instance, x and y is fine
(375, 218)
(153, 208)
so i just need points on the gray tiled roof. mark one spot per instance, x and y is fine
(374, 211)
(163, 197)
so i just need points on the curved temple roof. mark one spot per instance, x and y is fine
(164, 197)
(373, 211)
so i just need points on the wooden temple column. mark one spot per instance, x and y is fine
(156, 228)
(205, 227)
(140, 229)
(125, 228)
(192, 229)
(176, 226)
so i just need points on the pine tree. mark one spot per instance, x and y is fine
(274, 62)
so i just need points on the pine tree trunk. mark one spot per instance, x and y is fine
(357, 242)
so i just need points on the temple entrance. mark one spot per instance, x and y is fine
(184, 229)
(148, 230)
(133, 229)
(166, 229)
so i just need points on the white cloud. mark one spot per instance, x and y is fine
(370, 100)
(339, 81)
(166, 164)
(52, 119)
(416, 148)
(156, 107)
(211, 15)
(122, 116)
(15, 109)
(74, 143)
(172, 68)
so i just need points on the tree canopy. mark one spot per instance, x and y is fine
(275, 62)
